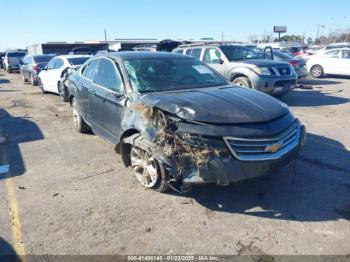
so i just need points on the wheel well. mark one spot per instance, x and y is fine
(238, 75)
(316, 65)
(70, 99)
(122, 148)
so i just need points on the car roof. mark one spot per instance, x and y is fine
(130, 55)
(71, 56)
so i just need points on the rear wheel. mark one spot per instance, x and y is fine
(62, 91)
(242, 81)
(25, 80)
(79, 123)
(316, 71)
(32, 80)
(41, 86)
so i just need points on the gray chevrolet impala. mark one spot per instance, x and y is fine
(176, 122)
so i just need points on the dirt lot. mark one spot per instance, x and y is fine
(68, 193)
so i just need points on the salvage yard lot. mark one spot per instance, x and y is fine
(75, 196)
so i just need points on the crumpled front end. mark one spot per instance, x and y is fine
(197, 153)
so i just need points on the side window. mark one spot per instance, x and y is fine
(211, 56)
(25, 60)
(188, 51)
(107, 77)
(51, 64)
(179, 51)
(196, 53)
(332, 54)
(90, 69)
(59, 63)
(346, 54)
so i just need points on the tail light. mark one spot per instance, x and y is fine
(36, 68)
(294, 63)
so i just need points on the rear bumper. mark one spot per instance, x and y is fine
(13, 67)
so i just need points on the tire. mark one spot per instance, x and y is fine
(316, 71)
(34, 83)
(130, 153)
(25, 80)
(62, 91)
(242, 81)
(79, 123)
(41, 86)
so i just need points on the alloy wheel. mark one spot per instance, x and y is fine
(144, 167)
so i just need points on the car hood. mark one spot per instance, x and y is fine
(220, 105)
(263, 62)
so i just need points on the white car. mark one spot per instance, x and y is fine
(50, 78)
(332, 62)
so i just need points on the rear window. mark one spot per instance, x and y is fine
(77, 60)
(16, 54)
(43, 58)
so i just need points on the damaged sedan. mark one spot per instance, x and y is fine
(177, 122)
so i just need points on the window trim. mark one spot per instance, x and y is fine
(87, 63)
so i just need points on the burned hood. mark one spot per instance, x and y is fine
(220, 105)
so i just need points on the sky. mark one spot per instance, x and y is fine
(36, 21)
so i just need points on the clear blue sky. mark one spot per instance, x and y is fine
(35, 21)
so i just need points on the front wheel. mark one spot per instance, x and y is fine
(79, 123)
(316, 71)
(148, 171)
(242, 81)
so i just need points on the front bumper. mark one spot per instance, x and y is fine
(226, 168)
(274, 85)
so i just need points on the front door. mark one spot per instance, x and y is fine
(214, 58)
(107, 101)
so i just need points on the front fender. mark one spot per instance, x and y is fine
(241, 71)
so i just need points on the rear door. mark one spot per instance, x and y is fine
(107, 101)
(86, 90)
(345, 62)
(54, 75)
(331, 62)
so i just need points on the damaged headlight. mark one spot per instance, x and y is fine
(265, 71)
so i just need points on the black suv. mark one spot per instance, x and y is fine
(177, 122)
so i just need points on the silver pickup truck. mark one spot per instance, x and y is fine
(244, 67)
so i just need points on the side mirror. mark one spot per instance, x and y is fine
(221, 61)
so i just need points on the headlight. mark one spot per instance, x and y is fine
(262, 71)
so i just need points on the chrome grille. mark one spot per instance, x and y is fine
(250, 149)
(284, 70)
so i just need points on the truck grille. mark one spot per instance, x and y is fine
(259, 149)
(284, 70)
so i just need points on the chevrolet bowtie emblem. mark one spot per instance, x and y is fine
(273, 148)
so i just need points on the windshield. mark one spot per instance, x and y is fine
(236, 53)
(43, 58)
(77, 60)
(167, 74)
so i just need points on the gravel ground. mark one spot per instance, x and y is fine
(74, 195)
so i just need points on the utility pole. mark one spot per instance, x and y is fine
(105, 35)
(222, 36)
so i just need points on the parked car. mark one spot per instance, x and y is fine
(177, 122)
(333, 62)
(49, 79)
(31, 65)
(299, 64)
(12, 60)
(2, 55)
(295, 51)
(244, 67)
